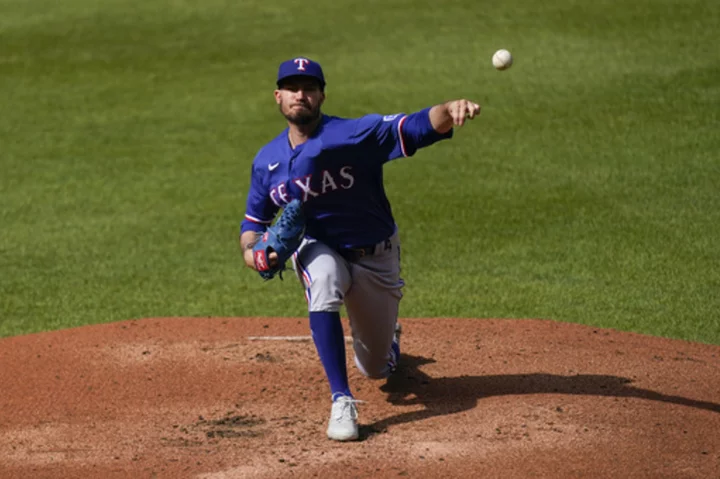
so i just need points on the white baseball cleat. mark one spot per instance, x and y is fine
(343, 420)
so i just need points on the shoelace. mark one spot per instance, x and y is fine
(348, 408)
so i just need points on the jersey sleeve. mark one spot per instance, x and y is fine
(259, 210)
(400, 135)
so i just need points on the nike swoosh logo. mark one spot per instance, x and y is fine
(273, 166)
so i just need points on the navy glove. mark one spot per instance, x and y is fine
(284, 238)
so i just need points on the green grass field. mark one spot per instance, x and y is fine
(588, 191)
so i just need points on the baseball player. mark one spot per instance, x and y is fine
(329, 172)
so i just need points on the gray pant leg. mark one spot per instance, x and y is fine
(372, 304)
(324, 274)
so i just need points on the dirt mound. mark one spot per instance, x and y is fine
(246, 397)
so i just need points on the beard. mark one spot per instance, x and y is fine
(301, 117)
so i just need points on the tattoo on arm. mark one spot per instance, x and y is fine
(252, 242)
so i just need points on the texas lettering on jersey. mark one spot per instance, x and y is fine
(337, 173)
(344, 180)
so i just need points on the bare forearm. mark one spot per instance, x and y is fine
(247, 241)
(445, 116)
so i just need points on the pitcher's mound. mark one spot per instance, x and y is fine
(246, 397)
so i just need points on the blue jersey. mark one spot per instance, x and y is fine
(338, 174)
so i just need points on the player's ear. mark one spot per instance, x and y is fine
(277, 96)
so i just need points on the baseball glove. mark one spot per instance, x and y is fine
(283, 238)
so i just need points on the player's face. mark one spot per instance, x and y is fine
(300, 100)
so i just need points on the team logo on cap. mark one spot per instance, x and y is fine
(301, 62)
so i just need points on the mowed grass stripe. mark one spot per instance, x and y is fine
(586, 191)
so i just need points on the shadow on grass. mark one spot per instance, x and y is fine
(450, 395)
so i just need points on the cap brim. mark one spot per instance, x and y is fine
(300, 75)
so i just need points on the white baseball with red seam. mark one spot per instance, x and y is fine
(502, 60)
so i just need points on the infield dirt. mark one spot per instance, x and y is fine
(194, 397)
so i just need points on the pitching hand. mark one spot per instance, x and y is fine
(459, 110)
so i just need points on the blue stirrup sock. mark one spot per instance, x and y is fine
(327, 333)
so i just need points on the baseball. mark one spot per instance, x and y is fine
(502, 60)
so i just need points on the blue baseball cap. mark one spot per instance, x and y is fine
(301, 66)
